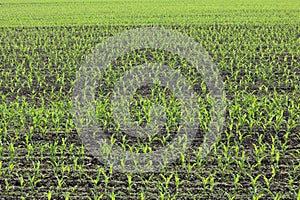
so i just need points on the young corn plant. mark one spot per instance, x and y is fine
(33, 181)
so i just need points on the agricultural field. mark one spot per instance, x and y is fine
(253, 45)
